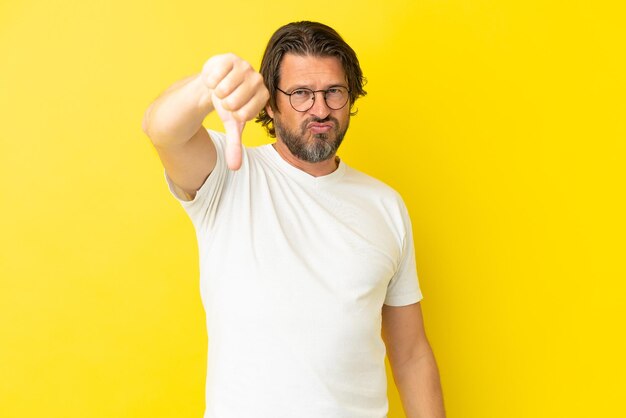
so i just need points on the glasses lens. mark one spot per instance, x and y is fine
(336, 97)
(302, 99)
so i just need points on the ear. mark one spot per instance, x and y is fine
(269, 110)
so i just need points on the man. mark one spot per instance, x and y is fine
(304, 261)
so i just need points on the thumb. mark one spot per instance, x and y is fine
(233, 143)
(233, 128)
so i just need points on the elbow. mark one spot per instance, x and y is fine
(145, 123)
(148, 127)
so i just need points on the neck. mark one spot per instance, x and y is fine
(319, 169)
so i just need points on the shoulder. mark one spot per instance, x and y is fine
(371, 186)
(218, 138)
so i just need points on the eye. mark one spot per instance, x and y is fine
(300, 93)
(335, 90)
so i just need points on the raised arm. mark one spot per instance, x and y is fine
(173, 122)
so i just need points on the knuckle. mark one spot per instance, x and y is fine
(213, 63)
(221, 91)
(211, 81)
(211, 76)
(231, 103)
(257, 78)
(208, 64)
(217, 67)
(265, 94)
(229, 57)
(243, 114)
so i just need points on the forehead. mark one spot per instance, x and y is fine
(310, 71)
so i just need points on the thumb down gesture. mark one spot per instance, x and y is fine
(238, 95)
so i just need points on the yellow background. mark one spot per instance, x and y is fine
(502, 123)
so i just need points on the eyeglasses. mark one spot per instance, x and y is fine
(303, 99)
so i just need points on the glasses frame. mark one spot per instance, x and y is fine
(325, 92)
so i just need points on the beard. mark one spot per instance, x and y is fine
(319, 147)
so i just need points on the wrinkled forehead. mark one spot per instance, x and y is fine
(311, 71)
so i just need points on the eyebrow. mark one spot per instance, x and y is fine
(309, 86)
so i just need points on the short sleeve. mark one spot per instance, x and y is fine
(403, 289)
(202, 208)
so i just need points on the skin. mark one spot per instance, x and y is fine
(412, 361)
(315, 73)
(229, 85)
(173, 122)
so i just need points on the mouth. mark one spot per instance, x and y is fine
(320, 128)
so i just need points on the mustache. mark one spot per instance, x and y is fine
(320, 120)
(314, 119)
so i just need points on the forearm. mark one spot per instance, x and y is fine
(419, 387)
(174, 117)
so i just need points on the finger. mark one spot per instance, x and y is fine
(216, 68)
(236, 78)
(233, 129)
(246, 92)
(233, 144)
(252, 108)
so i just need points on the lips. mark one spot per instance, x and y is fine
(319, 128)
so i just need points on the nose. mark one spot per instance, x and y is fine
(319, 108)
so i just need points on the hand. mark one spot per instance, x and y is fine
(238, 95)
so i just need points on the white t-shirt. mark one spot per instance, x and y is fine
(294, 271)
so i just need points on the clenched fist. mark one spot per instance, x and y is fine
(238, 95)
